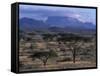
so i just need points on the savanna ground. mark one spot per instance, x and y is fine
(56, 51)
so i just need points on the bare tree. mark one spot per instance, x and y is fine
(74, 46)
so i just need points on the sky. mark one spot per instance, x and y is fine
(43, 12)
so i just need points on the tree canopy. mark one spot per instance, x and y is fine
(44, 55)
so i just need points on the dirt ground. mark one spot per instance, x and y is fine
(61, 65)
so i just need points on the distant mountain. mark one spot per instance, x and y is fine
(32, 24)
(56, 29)
(68, 22)
(89, 25)
(57, 24)
(60, 21)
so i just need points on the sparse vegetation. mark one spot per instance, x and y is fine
(56, 50)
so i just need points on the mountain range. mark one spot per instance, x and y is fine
(57, 24)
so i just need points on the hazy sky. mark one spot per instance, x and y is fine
(43, 12)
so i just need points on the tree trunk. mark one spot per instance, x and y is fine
(44, 63)
(74, 56)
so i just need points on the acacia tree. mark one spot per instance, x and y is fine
(44, 56)
(74, 46)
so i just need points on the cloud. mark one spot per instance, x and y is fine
(42, 12)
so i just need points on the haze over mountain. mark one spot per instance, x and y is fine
(67, 22)
(32, 24)
(57, 24)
